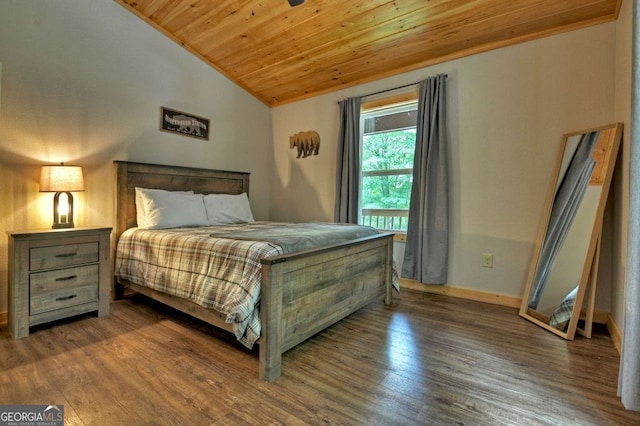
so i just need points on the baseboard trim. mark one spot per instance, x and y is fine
(463, 293)
(615, 333)
(600, 317)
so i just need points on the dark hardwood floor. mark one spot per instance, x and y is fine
(427, 359)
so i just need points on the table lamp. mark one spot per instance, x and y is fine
(62, 180)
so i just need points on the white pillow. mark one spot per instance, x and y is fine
(224, 209)
(142, 200)
(170, 209)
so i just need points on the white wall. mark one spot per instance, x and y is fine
(83, 82)
(508, 110)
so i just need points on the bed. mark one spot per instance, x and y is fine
(301, 293)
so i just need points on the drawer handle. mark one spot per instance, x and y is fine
(59, 299)
(70, 277)
(66, 254)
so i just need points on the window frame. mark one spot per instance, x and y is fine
(370, 107)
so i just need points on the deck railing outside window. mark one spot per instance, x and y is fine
(387, 219)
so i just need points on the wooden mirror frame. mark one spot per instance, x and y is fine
(606, 164)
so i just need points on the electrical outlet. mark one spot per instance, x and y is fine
(487, 260)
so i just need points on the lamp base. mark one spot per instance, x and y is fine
(62, 210)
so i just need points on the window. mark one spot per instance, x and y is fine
(388, 145)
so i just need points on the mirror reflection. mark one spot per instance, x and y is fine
(567, 239)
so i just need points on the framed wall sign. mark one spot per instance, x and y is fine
(183, 123)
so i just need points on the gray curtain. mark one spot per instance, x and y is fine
(348, 170)
(426, 253)
(565, 206)
(629, 377)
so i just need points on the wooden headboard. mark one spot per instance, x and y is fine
(171, 178)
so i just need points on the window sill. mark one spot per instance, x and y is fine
(398, 236)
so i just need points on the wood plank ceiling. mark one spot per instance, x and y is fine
(282, 54)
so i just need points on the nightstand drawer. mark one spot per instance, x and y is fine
(62, 298)
(62, 255)
(62, 313)
(59, 279)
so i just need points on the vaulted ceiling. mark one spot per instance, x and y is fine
(282, 54)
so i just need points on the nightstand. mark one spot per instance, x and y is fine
(57, 273)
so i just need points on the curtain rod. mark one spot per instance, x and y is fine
(393, 88)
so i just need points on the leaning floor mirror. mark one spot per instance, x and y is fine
(565, 257)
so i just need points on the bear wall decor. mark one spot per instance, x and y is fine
(308, 143)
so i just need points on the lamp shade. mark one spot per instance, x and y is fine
(61, 179)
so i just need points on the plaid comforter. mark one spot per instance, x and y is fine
(215, 272)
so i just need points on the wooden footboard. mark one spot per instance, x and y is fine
(304, 293)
